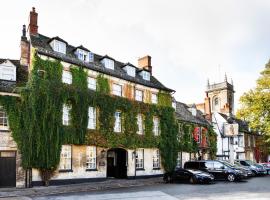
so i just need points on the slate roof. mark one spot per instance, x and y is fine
(243, 125)
(183, 114)
(21, 73)
(41, 43)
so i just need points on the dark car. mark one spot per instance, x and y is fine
(254, 167)
(266, 166)
(218, 169)
(188, 175)
(246, 169)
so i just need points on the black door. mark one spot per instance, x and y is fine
(7, 169)
(117, 163)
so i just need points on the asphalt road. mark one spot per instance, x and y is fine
(255, 188)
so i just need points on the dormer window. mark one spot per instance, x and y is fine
(58, 46)
(145, 75)
(131, 71)
(7, 71)
(108, 63)
(85, 56)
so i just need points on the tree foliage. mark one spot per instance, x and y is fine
(255, 104)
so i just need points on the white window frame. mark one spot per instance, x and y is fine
(156, 159)
(59, 46)
(138, 95)
(118, 122)
(91, 158)
(7, 73)
(145, 75)
(178, 160)
(108, 63)
(66, 115)
(66, 158)
(91, 83)
(156, 126)
(92, 118)
(140, 124)
(3, 119)
(154, 98)
(82, 55)
(66, 77)
(117, 89)
(139, 162)
(131, 71)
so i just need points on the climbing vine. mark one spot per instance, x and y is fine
(35, 118)
(187, 143)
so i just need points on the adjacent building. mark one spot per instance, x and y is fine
(235, 140)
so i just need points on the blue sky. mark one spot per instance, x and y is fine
(189, 40)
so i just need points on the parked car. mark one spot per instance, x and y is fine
(188, 175)
(218, 169)
(248, 171)
(254, 167)
(266, 166)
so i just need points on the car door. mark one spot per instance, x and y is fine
(219, 170)
(209, 167)
(182, 175)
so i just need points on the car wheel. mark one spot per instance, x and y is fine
(192, 180)
(231, 177)
(268, 172)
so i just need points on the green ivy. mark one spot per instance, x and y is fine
(103, 85)
(187, 142)
(164, 99)
(36, 118)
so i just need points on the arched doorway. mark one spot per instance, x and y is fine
(117, 163)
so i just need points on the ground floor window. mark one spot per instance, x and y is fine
(91, 157)
(156, 159)
(179, 160)
(139, 158)
(65, 159)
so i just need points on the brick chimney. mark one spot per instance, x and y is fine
(145, 63)
(207, 111)
(33, 24)
(25, 49)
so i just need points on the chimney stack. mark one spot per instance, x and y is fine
(33, 24)
(145, 63)
(25, 49)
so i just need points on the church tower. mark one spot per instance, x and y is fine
(221, 97)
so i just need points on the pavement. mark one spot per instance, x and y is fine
(257, 188)
(28, 193)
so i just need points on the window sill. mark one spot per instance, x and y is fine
(157, 168)
(140, 169)
(65, 170)
(4, 130)
(91, 170)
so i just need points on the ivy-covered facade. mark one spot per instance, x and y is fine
(197, 139)
(81, 116)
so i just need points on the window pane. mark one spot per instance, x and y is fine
(138, 95)
(117, 90)
(65, 159)
(66, 77)
(91, 157)
(139, 158)
(66, 114)
(117, 124)
(140, 124)
(92, 83)
(92, 118)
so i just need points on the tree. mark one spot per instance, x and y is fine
(255, 105)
